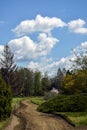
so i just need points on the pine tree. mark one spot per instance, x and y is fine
(8, 67)
(5, 99)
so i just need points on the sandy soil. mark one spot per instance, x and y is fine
(14, 122)
(30, 119)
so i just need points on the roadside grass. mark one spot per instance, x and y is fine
(67, 107)
(3, 123)
(15, 104)
(76, 118)
(37, 100)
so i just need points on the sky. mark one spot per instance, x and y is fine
(42, 34)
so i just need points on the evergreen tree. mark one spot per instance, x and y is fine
(46, 83)
(8, 67)
(27, 81)
(5, 99)
(37, 83)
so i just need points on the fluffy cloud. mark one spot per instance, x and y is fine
(77, 26)
(50, 66)
(39, 24)
(25, 49)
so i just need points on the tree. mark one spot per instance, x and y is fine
(59, 79)
(81, 81)
(75, 80)
(8, 67)
(80, 61)
(68, 84)
(5, 99)
(37, 83)
(75, 83)
(46, 83)
(56, 82)
(27, 77)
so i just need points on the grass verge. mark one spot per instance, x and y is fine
(3, 123)
(37, 100)
(76, 118)
(15, 104)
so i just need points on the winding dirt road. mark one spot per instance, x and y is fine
(27, 118)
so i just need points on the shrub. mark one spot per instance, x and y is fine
(64, 103)
(5, 100)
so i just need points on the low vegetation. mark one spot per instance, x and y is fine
(16, 102)
(63, 103)
(72, 107)
(4, 122)
(77, 118)
(15, 105)
(37, 100)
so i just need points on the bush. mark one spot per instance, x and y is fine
(5, 100)
(64, 103)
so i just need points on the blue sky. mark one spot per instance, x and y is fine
(42, 34)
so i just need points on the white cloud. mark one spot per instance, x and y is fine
(50, 66)
(1, 49)
(1, 52)
(77, 26)
(25, 49)
(39, 24)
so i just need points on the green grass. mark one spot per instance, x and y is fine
(77, 118)
(15, 104)
(37, 100)
(3, 123)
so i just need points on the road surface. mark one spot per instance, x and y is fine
(27, 118)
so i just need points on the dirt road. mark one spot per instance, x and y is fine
(30, 119)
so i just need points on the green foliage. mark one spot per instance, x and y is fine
(77, 118)
(4, 123)
(56, 82)
(45, 83)
(16, 102)
(75, 83)
(5, 100)
(64, 103)
(8, 68)
(37, 100)
(37, 83)
(26, 81)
